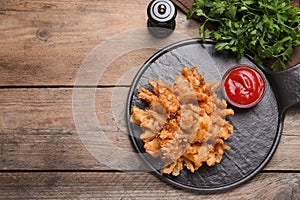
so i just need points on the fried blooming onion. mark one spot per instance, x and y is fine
(184, 123)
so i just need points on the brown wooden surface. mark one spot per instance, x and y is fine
(43, 45)
(108, 185)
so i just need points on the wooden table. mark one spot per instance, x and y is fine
(44, 47)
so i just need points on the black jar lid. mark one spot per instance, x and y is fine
(162, 11)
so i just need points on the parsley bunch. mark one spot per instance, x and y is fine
(268, 30)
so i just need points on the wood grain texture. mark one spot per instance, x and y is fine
(46, 42)
(84, 185)
(44, 45)
(38, 130)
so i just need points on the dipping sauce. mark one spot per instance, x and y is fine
(243, 86)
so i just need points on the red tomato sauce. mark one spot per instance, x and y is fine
(243, 86)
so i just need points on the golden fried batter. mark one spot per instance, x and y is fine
(184, 123)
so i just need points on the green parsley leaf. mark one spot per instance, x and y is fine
(265, 29)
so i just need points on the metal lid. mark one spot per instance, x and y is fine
(161, 11)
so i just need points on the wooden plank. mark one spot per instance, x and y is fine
(46, 42)
(37, 130)
(105, 185)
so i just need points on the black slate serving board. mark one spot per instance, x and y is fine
(257, 130)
